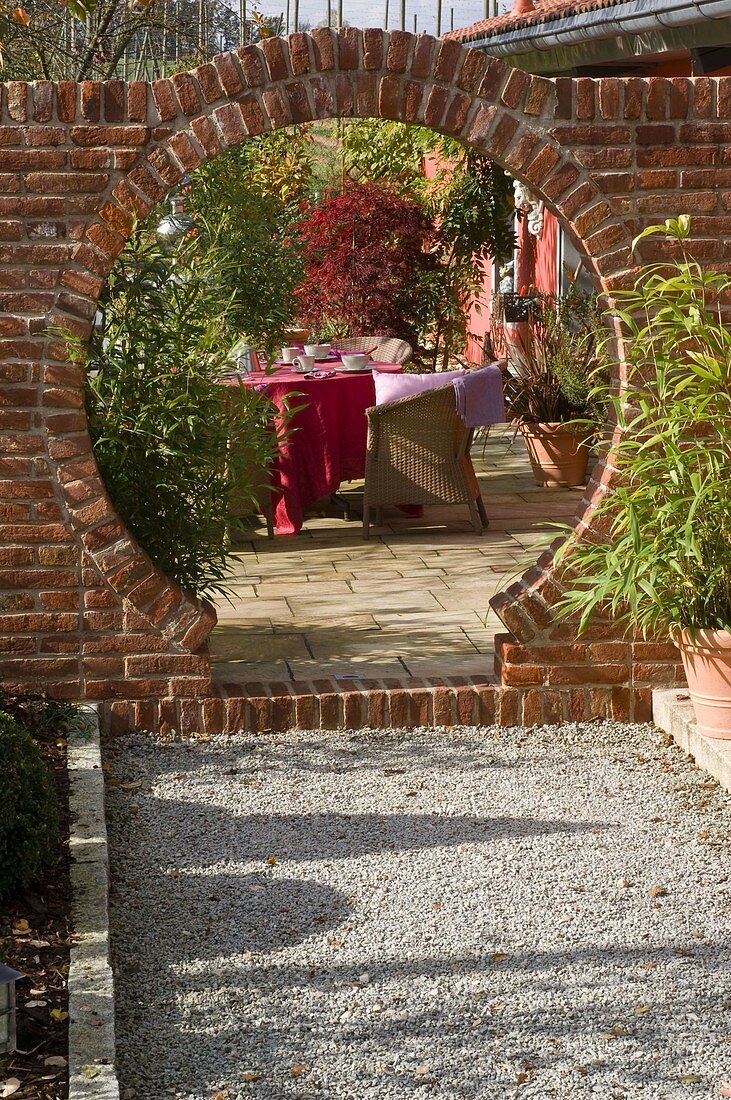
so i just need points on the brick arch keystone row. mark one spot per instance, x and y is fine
(83, 612)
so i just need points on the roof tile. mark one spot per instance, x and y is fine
(545, 12)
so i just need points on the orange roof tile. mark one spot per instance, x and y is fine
(545, 12)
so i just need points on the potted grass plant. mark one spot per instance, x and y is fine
(550, 387)
(665, 568)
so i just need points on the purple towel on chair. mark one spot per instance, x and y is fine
(479, 396)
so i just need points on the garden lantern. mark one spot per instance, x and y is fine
(176, 225)
(8, 978)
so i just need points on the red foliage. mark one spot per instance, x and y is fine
(364, 250)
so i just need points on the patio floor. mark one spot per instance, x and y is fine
(412, 601)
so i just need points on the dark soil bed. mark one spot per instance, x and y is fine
(34, 939)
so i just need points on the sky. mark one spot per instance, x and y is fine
(366, 13)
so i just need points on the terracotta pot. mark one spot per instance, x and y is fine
(557, 452)
(707, 663)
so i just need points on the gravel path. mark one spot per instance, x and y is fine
(462, 914)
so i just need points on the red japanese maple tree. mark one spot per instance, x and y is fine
(364, 251)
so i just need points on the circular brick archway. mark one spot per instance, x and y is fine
(94, 618)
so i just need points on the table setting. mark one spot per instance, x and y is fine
(323, 442)
(322, 360)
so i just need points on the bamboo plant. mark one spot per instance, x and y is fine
(665, 566)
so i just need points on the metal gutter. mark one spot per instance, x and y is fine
(637, 17)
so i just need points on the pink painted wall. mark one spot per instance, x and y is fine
(536, 267)
(546, 276)
(479, 320)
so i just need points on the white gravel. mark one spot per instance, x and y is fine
(454, 914)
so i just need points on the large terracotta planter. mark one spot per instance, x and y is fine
(707, 663)
(557, 452)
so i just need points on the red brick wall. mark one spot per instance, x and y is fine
(82, 610)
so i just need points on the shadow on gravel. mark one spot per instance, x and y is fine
(570, 1019)
(249, 914)
(313, 836)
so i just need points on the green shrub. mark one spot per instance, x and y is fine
(174, 446)
(28, 809)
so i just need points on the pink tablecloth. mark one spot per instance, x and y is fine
(326, 444)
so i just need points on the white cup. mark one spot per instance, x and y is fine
(320, 351)
(289, 354)
(356, 360)
(304, 362)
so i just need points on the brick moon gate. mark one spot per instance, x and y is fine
(83, 612)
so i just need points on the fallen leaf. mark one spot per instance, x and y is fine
(690, 1079)
(221, 1094)
(38, 943)
(271, 861)
(642, 1010)
(248, 1075)
(21, 927)
(651, 965)
(725, 1089)
(130, 786)
(498, 957)
(36, 1004)
(299, 1068)
(55, 1060)
(619, 1030)
(89, 1072)
(9, 1086)
(421, 1071)
(59, 1014)
(20, 15)
(657, 892)
(698, 935)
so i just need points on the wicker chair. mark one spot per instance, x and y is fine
(388, 349)
(419, 453)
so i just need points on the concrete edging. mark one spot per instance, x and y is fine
(672, 711)
(92, 1073)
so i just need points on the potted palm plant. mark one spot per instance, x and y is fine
(665, 568)
(550, 386)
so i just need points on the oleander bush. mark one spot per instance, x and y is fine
(29, 821)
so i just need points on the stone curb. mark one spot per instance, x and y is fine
(92, 1074)
(672, 711)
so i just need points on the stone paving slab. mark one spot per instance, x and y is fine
(412, 601)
